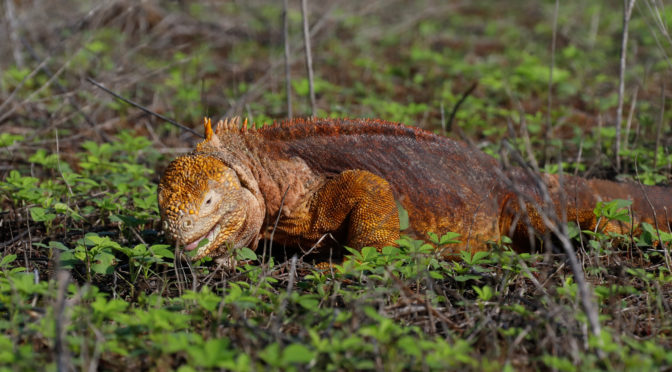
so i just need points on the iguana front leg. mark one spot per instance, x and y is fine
(357, 207)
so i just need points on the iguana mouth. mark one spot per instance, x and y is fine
(210, 236)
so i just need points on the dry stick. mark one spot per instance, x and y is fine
(443, 119)
(466, 94)
(283, 303)
(317, 244)
(97, 349)
(309, 58)
(594, 26)
(52, 80)
(13, 32)
(659, 126)
(19, 86)
(288, 74)
(62, 355)
(631, 114)
(549, 221)
(275, 226)
(525, 134)
(547, 130)
(257, 87)
(576, 193)
(627, 12)
(598, 145)
(146, 110)
(662, 26)
(668, 259)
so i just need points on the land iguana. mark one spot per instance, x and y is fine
(302, 179)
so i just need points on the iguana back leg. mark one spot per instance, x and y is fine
(356, 206)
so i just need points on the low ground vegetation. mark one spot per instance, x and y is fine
(88, 281)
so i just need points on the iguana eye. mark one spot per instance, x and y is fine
(208, 203)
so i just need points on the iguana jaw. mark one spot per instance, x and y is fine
(211, 234)
(222, 237)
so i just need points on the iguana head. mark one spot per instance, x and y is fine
(200, 197)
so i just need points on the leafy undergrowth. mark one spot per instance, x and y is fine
(88, 281)
(106, 292)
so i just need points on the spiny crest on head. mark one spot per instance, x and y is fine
(228, 125)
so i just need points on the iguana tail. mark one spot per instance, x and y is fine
(534, 202)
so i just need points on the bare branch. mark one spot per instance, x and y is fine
(13, 32)
(631, 114)
(309, 58)
(627, 12)
(288, 74)
(60, 348)
(659, 125)
(457, 106)
(547, 130)
(143, 108)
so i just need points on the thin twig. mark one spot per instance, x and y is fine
(547, 130)
(288, 73)
(668, 259)
(466, 94)
(275, 225)
(260, 84)
(23, 81)
(659, 125)
(143, 108)
(627, 12)
(631, 114)
(443, 119)
(13, 32)
(317, 244)
(61, 350)
(662, 27)
(283, 304)
(550, 220)
(309, 57)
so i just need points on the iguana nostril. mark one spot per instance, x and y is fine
(187, 223)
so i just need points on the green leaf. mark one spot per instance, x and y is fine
(308, 303)
(435, 275)
(58, 245)
(7, 357)
(7, 139)
(410, 346)
(485, 293)
(449, 238)
(297, 353)
(7, 260)
(246, 254)
(369, 253)
(162, 250)
(271, 354)
(202, 243)
(41, 215)
(404, 221)
(104, 263)
(60, 207)
(479, 256)
(464, 278)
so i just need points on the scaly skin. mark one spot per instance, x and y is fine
(345, 177)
